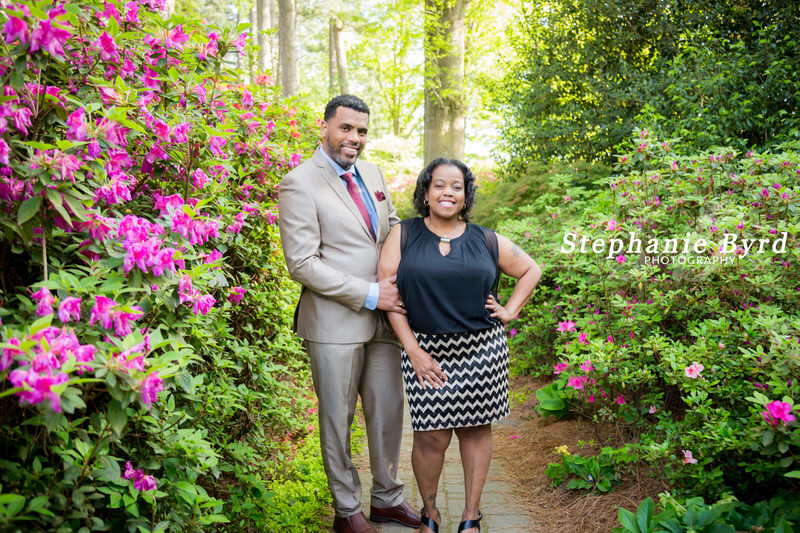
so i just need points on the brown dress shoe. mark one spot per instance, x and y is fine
(356, 523)
(402, 514)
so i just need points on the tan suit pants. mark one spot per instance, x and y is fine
(341, 373)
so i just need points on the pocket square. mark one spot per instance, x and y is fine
(380, 196)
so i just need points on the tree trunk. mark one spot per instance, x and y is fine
(445, 100)
(287, 43)
(273, 21)
(253, 27)
(262, 14)
(341, 55)
(331, 58)
(169, 9)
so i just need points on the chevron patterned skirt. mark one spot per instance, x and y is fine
(476, 390)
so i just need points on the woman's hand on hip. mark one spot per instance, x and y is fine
(498, 311)
(427, 370)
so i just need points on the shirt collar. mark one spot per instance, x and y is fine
(339, 170)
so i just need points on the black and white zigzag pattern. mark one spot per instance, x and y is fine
(476, 390)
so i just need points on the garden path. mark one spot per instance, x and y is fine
(499, 504)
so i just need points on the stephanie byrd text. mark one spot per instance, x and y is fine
(730, 243)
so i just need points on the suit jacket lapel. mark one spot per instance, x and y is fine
(338, 186)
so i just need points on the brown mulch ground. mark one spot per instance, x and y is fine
(525, 459)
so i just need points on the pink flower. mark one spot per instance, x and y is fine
(46, 301)
(215, 144)
(586, 366)
(185, 291)
(611, 225)
(9, 354)
(203, 304)
(693, 371)
(512, 332)
(582, 338)
(569, 325)
(560, 367)
(620, 400)
(101, 311)
(513, 437)
(199, 178)
(49, 37)
(577, 382)
(272, 218)
(176, 37)
(610, 339)
(653, 409)
(122, 320)
(236, 294)
(77, 125)
(295, 160)
(141, 482)
(777, 410)
(38, 387)
(108, 49)
(162, 130)
(620, 259)
(151, 386)
(687, 457)
(16, 28)
(70, 308)
(181, 132)
(239, 42)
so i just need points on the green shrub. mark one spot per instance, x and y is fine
(694, 358)
(148, 370)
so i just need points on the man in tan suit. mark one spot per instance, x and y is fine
(334, 216)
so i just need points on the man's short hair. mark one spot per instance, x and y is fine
(345, 100)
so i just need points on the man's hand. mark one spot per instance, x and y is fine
(388, 297)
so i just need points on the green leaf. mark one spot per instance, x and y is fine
(13, 503)
(644, 513)
(628, 521)
(28, 209)
(117, 416)
(793, 474)
(58, 203)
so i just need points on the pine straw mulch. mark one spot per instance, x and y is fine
(525, 458)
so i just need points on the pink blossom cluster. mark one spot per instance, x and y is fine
(141, 240)
(49, 35)
(201, 303)
(40, 363)
(141, 482)
(236, 295)
(694, 370)
(778, 411)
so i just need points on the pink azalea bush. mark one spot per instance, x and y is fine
(692, 353)
(126, 151)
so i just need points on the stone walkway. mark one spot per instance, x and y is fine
(501, 514)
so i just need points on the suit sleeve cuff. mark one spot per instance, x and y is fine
(372, 297)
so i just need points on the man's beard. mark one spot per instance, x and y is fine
(336, 154)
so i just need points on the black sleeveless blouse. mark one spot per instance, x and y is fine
(446, 293)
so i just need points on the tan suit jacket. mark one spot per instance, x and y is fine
(329, 250)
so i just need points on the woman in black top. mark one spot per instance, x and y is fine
(455, 355)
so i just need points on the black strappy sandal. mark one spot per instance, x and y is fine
(428, 521)
(469, 524)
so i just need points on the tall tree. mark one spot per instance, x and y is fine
(338, 54)
(390, 54)
(287, 42)
(445, 98)
(273, 19)
(262, 23)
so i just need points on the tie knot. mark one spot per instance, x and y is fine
(348, 177)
